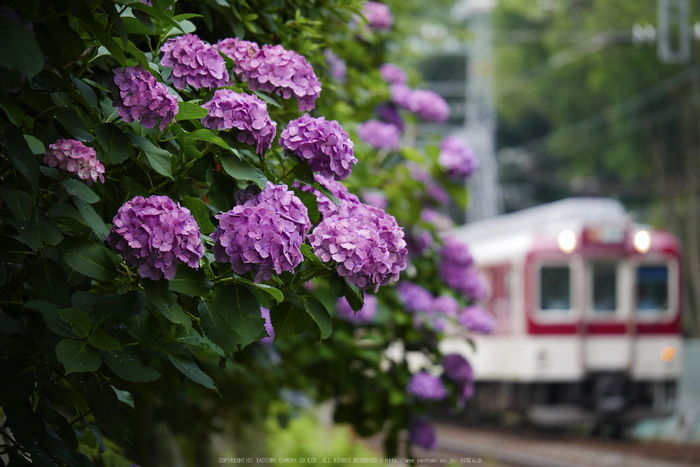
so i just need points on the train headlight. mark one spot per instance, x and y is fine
(642, 241)
(567, 241)
(668, 353)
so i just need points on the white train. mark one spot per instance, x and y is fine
(587, 307)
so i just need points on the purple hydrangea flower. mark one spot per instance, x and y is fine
(379, 135)
(364, 315)
(401, 95)
(194, 62)
(376, 199)
(422, 434)
(336, 66)
(324, 144)
(389, 113)
(414, 297)
(378, 16)
(457, 158)
(440, 221)
(428, 105)
(466, 391)
(276, 69)
(446, 305)
(141, 97)
(392, 74)
(263, 234)
(73, 156)
(265, 313)
(157, 235)
(455, 268)
(426, 387)
(477, 320)
(437, 193)
(419, 240)
(457, 368)
(239, 51)
(365, 242)
(244, 112)
(326, 206)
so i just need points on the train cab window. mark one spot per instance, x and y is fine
(604, 287)
(555, 288)
(652, 288)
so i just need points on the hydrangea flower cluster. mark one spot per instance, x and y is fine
(446, 305)
(73, 156)
(477, 320)
(276, 69)
(194, 62)
(141, 97)
(376, 199)
(456, 271)
(366, 243)
(422, 434)
(428, 105)
(244, 112)
(437, 193)
(263, 234)
(400, 95)
(239, 51)
(364, 315)
(457, 158)
(457, 368)
(157, 235)
(336, 66)
(324, 144)
(379, 135)
(414, 297)
(440, 221)
(390, 114)
(427, 387)
(265, 313)
(378, 16)
(392, 74)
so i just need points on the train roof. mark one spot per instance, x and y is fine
(551, 218)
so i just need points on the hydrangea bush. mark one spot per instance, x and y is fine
(125, 299)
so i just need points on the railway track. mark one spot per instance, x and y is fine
(495, 447)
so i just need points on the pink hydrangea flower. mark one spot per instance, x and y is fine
(141, 97)
(457, 158)
(428, 105)
(73, 156)
(427, 387)
(392, 74)
(378, 16)
(194, 62)
(379, 135)
(239, 51)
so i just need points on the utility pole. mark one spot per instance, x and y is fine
(485, 196)
(673, 16)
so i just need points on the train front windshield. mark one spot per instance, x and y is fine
(652, 288)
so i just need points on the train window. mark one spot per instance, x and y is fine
(604, 287)
(555, 293)
(652, 288)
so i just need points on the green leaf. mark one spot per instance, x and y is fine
(18, 49)
(216, 326)
(92, 218)
(144, 19)
(36, 146)
(308, 253)
(80, 190)
(354, 296)
(10, 325)
(77, 356)
(165, 302)
(190, 369)
(89, 258)
(18, 202)
(86, 92)
(190, 281)
(195, 338)
(78, 320)
(112, 309)
(40, 231)
(124, 397)
(190, 111)
(113, 141)
(50, 282)
(11, 251)
(87, 20)
(104, 403)
(158, 158)
(206, 135)
(242, 170)
(200, 213)
(17, 382)
(104, 341)
(242, 312)
(126, 365)
(267, 99)
(21, 156)
(289, 319)
(311, 203)
(51, 316)
(268, 289)
(319, 314)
